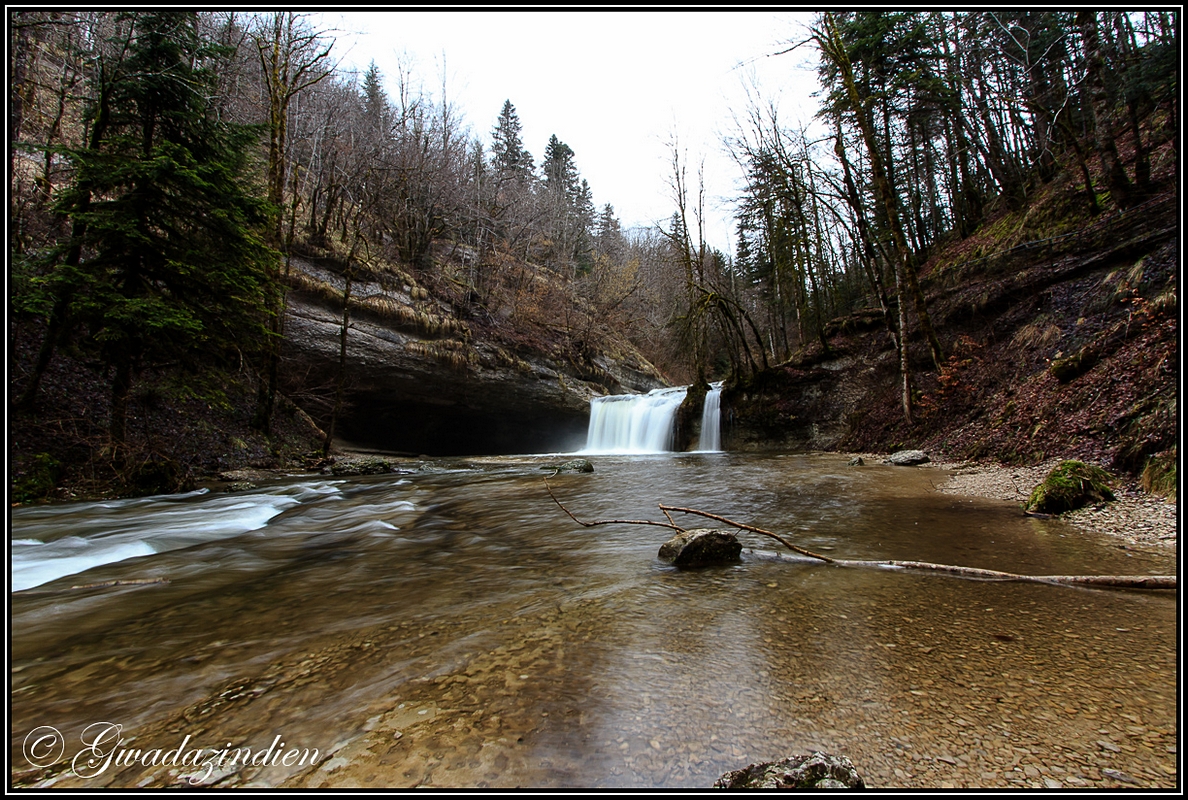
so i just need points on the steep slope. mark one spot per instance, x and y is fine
(1064, 345)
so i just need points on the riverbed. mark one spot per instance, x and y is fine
(450, 626)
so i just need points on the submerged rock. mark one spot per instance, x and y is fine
(813, 771)
(701, 547)
(577, 465)
(907, 458)
(1071, 485)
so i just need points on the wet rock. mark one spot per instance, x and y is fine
(577, 465)
(701, 547)
(241, 486)
(367, 465)
(242, 475)
(813, 771)
(856, 461)
(907, 458)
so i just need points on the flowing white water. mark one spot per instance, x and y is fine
(57, 541)
(630, 423)
(326, 619)
(711, 416)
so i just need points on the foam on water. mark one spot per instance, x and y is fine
(106, 533)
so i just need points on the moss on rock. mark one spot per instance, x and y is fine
(1071, 485)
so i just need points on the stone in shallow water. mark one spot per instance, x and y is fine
(907, 458)
(812, 771)
(577, 465)
(701, 547)
(363, 465)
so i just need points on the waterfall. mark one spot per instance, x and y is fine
(643, 423)
(633, 423)
(711, 431)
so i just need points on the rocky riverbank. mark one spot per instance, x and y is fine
(1135, 517)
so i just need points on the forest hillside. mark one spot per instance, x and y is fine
(225, 251)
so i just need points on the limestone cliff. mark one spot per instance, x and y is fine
(421, 378)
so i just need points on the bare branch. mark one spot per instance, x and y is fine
(673, 526)
(751, 528)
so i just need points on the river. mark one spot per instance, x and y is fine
(452, 627)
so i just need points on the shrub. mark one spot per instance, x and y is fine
(40, 477)
(1159, 476)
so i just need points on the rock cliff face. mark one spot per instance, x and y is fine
(801, 408)
(417, 381)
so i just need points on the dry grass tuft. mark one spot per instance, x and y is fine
(1036, 334)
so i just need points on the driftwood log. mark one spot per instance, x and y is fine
(1098, 581)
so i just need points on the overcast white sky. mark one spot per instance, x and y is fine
(614, 86)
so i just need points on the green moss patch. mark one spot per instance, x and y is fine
(1071, 485)
(38, 478)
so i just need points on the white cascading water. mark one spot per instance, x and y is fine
(711, 418)
(637, 424)
(633, 423)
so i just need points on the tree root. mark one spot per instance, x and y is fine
(1099, 581)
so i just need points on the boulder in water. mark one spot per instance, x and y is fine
(856, 461)
(577, 465)
(701, 547)
(362, 465)
(907, 458)
(813, 771)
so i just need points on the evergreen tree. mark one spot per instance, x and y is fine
(608, 233)
(166, 262)
(375, 102)
(508, 156)
(560, 173)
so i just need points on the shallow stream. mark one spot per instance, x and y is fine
(452, 627)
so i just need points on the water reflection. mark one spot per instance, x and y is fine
(453, 627)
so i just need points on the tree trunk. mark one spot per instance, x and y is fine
(121, 387)
(1101, 101)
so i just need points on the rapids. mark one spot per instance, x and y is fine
(452, 627)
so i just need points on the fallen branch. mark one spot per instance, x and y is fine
(1116, 581)
(132, 582)
(743, 527)
(672, 526)
(1104, 581)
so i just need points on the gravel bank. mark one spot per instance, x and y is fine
(1136, 517)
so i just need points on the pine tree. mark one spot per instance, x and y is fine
(167, 262)
(560, 173)
(508, 156)
(375, 102)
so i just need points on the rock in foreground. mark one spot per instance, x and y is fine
(701, 547)
(812, 771)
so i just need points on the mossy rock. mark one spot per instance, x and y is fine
(1071, 485)
(1074, 366)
